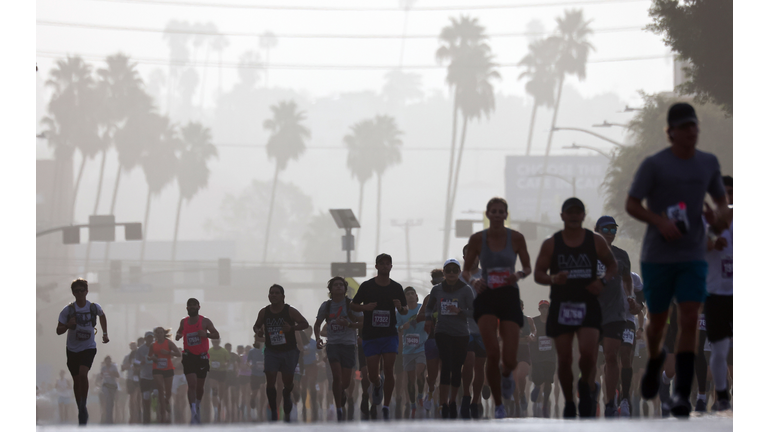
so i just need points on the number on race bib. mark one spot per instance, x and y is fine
(412, 340)
(629, 336)
(727, 267)
(162, 363)
(380, 318)
(215, 364)
(702, 322)
(277, 337)
(193, 339)
(445, 304)
(572, 314)
(498, 277)
(82, 335)
(545, 343)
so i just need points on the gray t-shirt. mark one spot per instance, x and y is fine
(337, 333)
(106, 374)
(613, 299)
(82, 337)
(447, 322)
(666, 181)
(145, 371)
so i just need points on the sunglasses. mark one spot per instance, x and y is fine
(606, 230)
(452, 269)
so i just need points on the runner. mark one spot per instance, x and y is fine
(109, 376)
(473, 373)
(414, 360)
(146, 379)
(430, 347)
(244, 380)
(196, 331)
(308, 386)
(632, 335)
(64, 392)
(452, 299)
(340, 346)
(527, 335)
(378, 298)
(78, 320)
(219, 360)
(718, 307)
(543, 361)
(571, 257)
(280, 322)
(232, 392)
(132, 383)
(256, 360)
(161, 355)
(675, 181)
(614, 325)
(497, 306)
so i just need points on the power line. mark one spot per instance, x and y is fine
(371, 9)
(262, 146)
(233, 65)
(300, 36)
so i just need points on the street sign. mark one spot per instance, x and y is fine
(71, 235)
(355, 269)
(101, 228)
(133, 231)
(464, 228)
(348, 242)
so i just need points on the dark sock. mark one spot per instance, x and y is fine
(287, 403)
(272, 400)
(684, 369)
(626, 382)
(654, 365)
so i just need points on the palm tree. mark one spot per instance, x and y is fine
(192, 172)
(470, 69)
(540, 68)
(406, 6)
(177, 38)
(573, 49)
(159, 162)
(74, 115)
(267, 41)
(218, 44)
(375, 145)
(286, 142)
(209, 28)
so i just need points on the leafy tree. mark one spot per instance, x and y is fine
(286, 142)
(701, 33)
(192, 173)
(646, 131)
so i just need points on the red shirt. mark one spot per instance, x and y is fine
(195, 340)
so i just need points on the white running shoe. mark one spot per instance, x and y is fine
(428, 402)
(624, 409)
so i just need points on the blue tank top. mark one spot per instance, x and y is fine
(496, 266)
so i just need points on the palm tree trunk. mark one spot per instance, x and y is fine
(205, 73)
(359, 217)
(530, 129)
(378, 212)
(447, 222)
(112, 209)
(77, 186)
(537, 215)
(55, 194)
(146, 228)
(95, 208)
(176, 228)
(269, 215)
(458, 164)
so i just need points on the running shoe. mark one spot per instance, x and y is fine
(665, 409)
(701, 406)
(473, 411)
(339, 415)
(649, 384)
(569, 412)
(445, 412)
(610, 410)
(721, 405)
(82, 415)
(523, 407)
(507, 386)
(378, 394)
(624, 409)
(595, 396)
(500, 412)
(586, 409)
(680, 407)
(385, 413)
(427, 404)
(413, 412)
(453, 413)
(465, 401)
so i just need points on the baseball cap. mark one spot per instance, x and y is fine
(570, 202)
(149, 333)
(681, 113)
(451, 261)
(605, 221)
(543, 303)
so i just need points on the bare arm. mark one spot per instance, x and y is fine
(521, 249)
(174, 349)
(666, 227)
(208, 327)
(258, 327)
(317, 328)
(420, 316)
(103, 322)
(605, 256)
(473, 251)
(540, 274)
(179, 331)
(301, 322)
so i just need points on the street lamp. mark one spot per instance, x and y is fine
(572, 181)
(575, 146)
(605, 124)
(616, 143)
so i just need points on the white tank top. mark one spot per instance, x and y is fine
(720, 277)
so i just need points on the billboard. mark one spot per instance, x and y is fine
(523, 176)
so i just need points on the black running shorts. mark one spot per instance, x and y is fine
(502, 302)
(568, 316)
(195, 364)
(614, 330)
(80, 358)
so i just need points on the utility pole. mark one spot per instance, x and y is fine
(407, 227)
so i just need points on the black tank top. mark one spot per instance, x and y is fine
(581, 264)
(276, 338)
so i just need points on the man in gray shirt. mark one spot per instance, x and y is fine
(674, 182)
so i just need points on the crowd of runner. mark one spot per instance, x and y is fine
(620, 343)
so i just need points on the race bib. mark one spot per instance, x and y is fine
(726, 265)
(572, 314)
(162, 363)
(380, 318)
(215, 364)
(702, 323)
(707, 345)
(628, 337)
(231, 367)
(445, 304)
(277, 337)
(193, 339)
(412, 340)
(678, 214)
(337, 328)
(498, 277)
(82, 335)
(545, 343)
